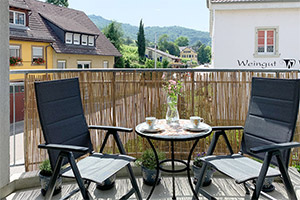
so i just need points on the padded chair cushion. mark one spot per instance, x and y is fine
(238, 167)
(98, 167)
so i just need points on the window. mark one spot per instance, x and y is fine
(266, 41)
(76, 38)
(11, 17)
(14, 50)
(69, 38)
(83, 64)
(91, 40)
(17, 18)
(61, 64)
(84, 39)
(105, 64)
(37, 52)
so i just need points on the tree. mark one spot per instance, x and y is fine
(163, 42)
(165, 63)
(173, 49)
(204, 54)
(63, 3)
(166, 46)
(141, 41)
(114, 33)
(197, 45)
(182, 41)
(128, 41)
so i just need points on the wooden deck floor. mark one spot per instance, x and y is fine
(221, 188)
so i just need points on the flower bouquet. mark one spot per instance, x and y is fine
(172, 87)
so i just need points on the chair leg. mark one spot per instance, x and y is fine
(77, 175)
(129, 169)
(200, 183)
(51, 185)
(262, 175)
(246, 188)
(134, 183)
(286, 178)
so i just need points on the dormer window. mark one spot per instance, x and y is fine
(91, 40)
(69, 38)
(17, 18)
(79, 39)
(76, 38)
(84, 39)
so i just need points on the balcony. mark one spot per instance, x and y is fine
(124, 97)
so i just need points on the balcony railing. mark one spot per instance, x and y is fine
(124, 97)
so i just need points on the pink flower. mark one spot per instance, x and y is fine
(163, 76)
(172, 82)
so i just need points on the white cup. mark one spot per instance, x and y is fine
(150, 121)
(195, 121)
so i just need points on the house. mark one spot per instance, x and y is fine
(257, 34)
(46, 36)
(188, 53)
(160, 55)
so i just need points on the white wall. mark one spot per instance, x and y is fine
(4, 97)
(233, 36)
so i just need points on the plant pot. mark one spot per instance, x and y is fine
(149, 176)
(44, 180)
(267, 186)
(108, 183)
(208, 175)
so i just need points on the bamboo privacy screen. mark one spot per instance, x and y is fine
(126, 98)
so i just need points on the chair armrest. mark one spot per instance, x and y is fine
(224, 128)
(62, 147)
(111, 128)
(272, 147)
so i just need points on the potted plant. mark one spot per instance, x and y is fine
(15, 61)
(197, 164)
(38, 61)
(267, 186)
(148, 165)
(45, 176)
(107, 184)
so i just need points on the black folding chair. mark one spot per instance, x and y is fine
(67, 138)
(267, 135)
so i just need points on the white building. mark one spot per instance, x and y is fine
(255, 33)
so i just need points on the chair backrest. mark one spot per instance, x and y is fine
(272, 114)
(61, 115)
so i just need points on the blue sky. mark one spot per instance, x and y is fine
(187, 13)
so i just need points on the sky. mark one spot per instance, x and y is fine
(186, 13)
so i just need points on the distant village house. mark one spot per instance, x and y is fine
(160, 55)
(188, 53)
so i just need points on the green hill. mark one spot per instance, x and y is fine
(173, 31)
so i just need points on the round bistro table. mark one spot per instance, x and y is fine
(173, 134)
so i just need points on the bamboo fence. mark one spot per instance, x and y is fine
(125, 98)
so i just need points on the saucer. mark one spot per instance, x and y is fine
(155, 129)
(190, 127)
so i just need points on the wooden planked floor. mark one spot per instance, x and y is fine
(221, 188)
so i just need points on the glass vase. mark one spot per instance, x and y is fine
(172, 116)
